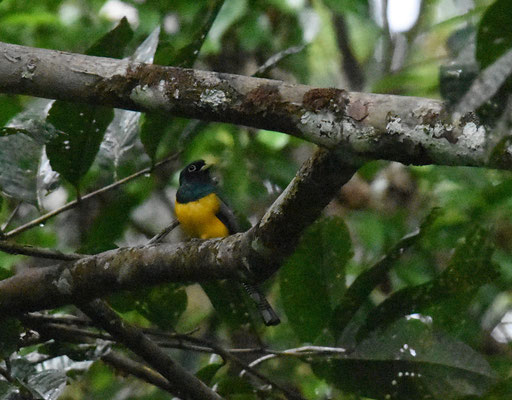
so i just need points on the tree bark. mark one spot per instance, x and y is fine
(410, 130)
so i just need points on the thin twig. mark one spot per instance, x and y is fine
(139, 370)
(300, 352)
(10, 217)
(71, 204)
(159, 237)
(27, 250)
(58, 318)
(226, 355)
(276, 58)
(183, 383)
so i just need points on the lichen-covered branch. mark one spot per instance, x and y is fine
(406, 129)
(249, 256)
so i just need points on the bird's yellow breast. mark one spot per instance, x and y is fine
(198, 219)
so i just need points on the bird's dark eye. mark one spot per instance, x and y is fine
(192, 168)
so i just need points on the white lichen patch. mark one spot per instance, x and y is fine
(473, 135)
(150, 98)
(466, 148)
(213, 98)
(395, 126)
(64, 284)
(321, 127)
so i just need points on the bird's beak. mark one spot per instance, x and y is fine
(206, 167)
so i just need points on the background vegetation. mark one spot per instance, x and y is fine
(402, 289)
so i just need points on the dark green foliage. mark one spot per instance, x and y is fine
(10, 330)
(162, 305)
(494, 36)
(80, 129)
(409, 360)
(313, 279)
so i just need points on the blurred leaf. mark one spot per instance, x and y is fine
(409, 361)
(122, 133)
(10, 330)
(154, 125)
(313, 279)
(206, 374)
(19, 162)
(152, 130)
(110, 224)
(234, 387)
(163, 305)
(8, 391)
(487, 84)
(25, 172)
(470, 268)
(494, 37)
(358, 292)
(230, 13)
(46, 384)
(9, 106)
(114, 42)
(359, 7)
(456, 79)
(230, 303)
(186, 56)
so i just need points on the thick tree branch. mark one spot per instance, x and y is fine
(406, 129)
(249, 256)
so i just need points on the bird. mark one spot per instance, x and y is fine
(203, 214)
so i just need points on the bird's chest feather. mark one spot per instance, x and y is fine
(197, 218)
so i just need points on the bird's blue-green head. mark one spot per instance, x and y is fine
(195, 182)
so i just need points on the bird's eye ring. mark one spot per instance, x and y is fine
(192, 168)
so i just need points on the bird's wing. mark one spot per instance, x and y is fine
(227, 218)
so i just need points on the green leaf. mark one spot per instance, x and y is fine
(230, 303)
(152, 131)
(313, 279)
(494, 37)
(110, 224)
(114, 42)
(233, 386)
(469, 269)
(358, 292)
(163, 305)
(206, 374)
(82, 127)
(409, 361)
(80, 132)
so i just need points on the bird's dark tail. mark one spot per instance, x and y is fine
(266, 311)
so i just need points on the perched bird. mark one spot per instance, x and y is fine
(202, 214)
